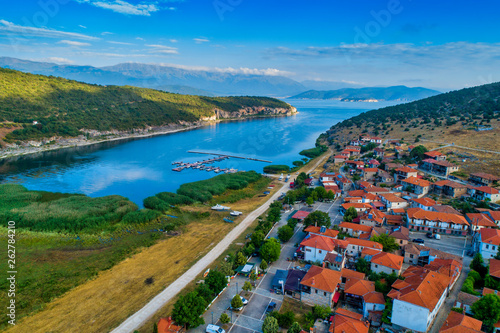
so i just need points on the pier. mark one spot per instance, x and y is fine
(233, 156)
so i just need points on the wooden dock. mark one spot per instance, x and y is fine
(233, 156)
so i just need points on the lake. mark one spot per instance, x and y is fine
(139, 168)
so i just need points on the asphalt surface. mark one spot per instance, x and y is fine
(451, 244)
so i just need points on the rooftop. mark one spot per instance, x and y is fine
(421, 214)
(417, 181)
(460, 323)
(348, 273)
(355, 226)
(388, 260)
(495, 268)
(427, 202)
(322, 231)
(322, 279)
(319, 242)
(346, 321)
(490, 236)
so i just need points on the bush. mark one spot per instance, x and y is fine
(276, 168)
(224, 318)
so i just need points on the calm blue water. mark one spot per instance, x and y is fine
(140, 168)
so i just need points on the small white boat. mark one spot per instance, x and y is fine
(220, 207)
(235, 213)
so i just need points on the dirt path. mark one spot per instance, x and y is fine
(140, 317)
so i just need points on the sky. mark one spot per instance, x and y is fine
(435, 44)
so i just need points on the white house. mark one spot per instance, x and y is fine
(486, 242)
(356, 246)
(423, 203)
(373, 301)
(316, 247)
(387, 263)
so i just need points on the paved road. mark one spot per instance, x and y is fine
(451, 244)
(140, 317)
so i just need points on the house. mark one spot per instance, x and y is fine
(495, 215)
(352, 152)
(316, 247)
(445, 209)
(423, 203)
(465, 301)
(384, 177)
(435, 155)
(320, 286)
(458, 322)
(361, 294)
(442, 168)
(478, 221)
(404, 173)
(376, 190)
(387, 263)
(369, 173)
(167, 325)
(435, 222)
(495, 268)
(348, 274)
(379, 152)
(279, 280)
(373, 163)
(417, 299)
(449, 188)
(392, 201)
(481, 178)
(375, 139)
(401, 234)
(416, 254)
(321, 231)
(292, 284)
(392, 166)
(327, 177)
(419, 187)
(340, 158)
(354, 229)
(486, 193)
(356, 246)
(372, 218)
(335, 261)
(355, 164)
(356, 143)
(486, 242)
(347, 321)
(396, 219)
(360, 207)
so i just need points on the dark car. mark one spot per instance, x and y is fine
(271, 307)
(429, 235)
(418, 241)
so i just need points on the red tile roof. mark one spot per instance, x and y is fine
(417, 181)
(300, 215)
(485, 176)
(441, 163)
(421, 214)
(357, 205)
(495, 268)
(374, 297)
(483, 220)
(433, 153)
(358, 287)
(406, 170)
(166, 325)
(460, 323)
(346, 321)
(322, 279)
(348, 273)
(388, 260)
(317, 230)
(428, 202)
(490, 236)
(365, 243)
(487, 189)
(392, 197)
(319, 242)
(355, 226)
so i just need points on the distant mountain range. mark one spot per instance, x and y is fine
(171, 79)
(371, 94)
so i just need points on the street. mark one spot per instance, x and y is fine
(452, 244)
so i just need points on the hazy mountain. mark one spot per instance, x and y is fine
(164, 78)
(395, 93)
(328, 85)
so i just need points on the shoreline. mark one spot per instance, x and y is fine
(83, 143)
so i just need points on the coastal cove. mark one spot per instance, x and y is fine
(138, 168)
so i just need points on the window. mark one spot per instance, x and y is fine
(319, 251)
(411, 255)
(316, 291)
(487, 246)
(376, 266)
(324, 293)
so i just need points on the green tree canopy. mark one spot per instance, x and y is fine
(236, 302)
(295, 328)
(216, 280)
(363, 265)
(318, 218)
(240, 259)
(224, 318)
(487, 309)
(247, 286)
(418, 152)
(388, 242)
(188, 310)
(263, 265)
(270, 325)
(285, 233)
(350, 214)
(271, 250)
(478, 265)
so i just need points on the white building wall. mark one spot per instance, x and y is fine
(409, 315)
(379, 269)
(488, 251)
(312, 254)
(372, 307)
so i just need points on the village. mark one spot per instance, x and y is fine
(390, 238)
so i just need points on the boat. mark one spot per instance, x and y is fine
(281, 177)
(220, 207)
(235, 213)
(228, 220)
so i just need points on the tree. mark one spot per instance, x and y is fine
(224, 318)
(497, 256)
(388, 242)
(216, 281)
(155, 328)
(321, 311)
(253, 276)
(263, 265)
(247, 286)
(204, 291)
(350, 214)
(236, 302)
(478, 265)
(270, 325)
(309, 200)
(226, 268)
(487, 309)
(188, 310)
(257, 239)
(285, 233)
(295, 328)
(249, 249)
(418, 152)
(271, 250)
(318, 218)
(363, 265)
(240, 259)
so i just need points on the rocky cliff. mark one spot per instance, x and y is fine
(253, 111)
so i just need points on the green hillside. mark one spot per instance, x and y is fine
(62, 107)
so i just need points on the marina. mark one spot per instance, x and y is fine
(202, 165)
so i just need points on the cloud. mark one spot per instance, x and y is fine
(73, 43)
(110, 55)
(106, 33)
(201, 40)
(230, 70)
(119, 43)
(162, 49)
(82, 26)
(56, 60)
(124, 7)
(11, 29)
(139, 38)
(173, 40)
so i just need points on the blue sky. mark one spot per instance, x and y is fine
(437, 44)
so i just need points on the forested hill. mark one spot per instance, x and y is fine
(63, 107)
(470, 106)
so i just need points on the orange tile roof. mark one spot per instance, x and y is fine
(166, 325)
(417, 181)
(348, 273)
(487, 189)
(377, 189)
(322, 279)
(365, 243)
(319, 242)
(433, 153)
(398, 210)
(406, 170)
(355, 226)
(346, 321)
(490, 236)
(391, 197)
(358, 287)
(401, 233)
(495, 215)
(388, 260)
(483, 220)
(367, 251)
(374, 297)
(373, 215)
(487, 291)
(485, 176)
(370, 170)
(356, 193)
(423, 288)
(370, 196)
(460, 323)
(428, 202)
(357, 205)
(495, 268)
(448, 267)
(421, 214)
(317, 230)
(442, 182)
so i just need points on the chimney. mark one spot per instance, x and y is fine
(313, 280)
(323, 264)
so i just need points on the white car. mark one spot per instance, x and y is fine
(244, 300)
(235, 213)
(214, 329)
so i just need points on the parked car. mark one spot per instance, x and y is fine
(429, 235)
(214, 329)
(437, 236)
(244, 300)
(271, 307)
(418, 241)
